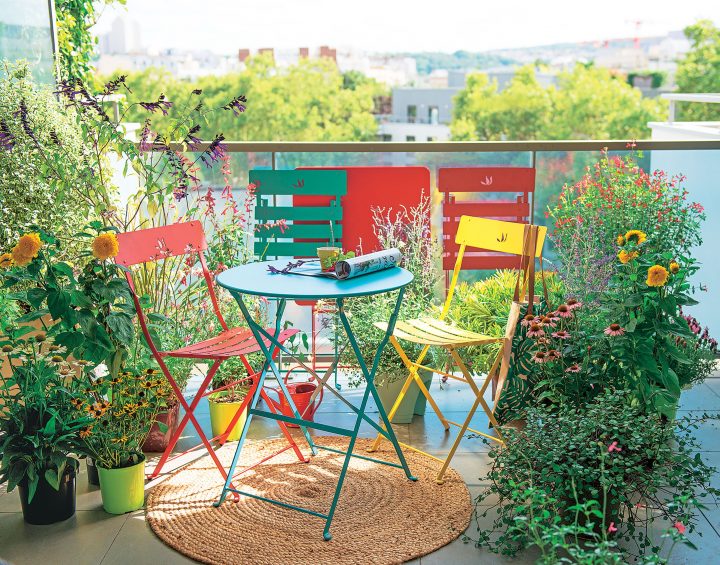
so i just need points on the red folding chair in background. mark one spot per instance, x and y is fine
(158, 244)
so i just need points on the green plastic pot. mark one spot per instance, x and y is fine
(123, 490)
(421, 402)
(389, 391)
(222, 413)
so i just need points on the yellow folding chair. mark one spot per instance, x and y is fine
(523, 240)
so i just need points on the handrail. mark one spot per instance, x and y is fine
(451, 146)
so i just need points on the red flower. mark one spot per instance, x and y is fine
(680, 527)
(611, 528)
(614, 447)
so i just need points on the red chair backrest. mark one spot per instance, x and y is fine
(155, 244)
(518, 182)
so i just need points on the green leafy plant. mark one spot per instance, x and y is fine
(28, 196)
(38, 426)
(409, 231)
(483, 307)
(616, 193)
(585, 484)
(88, 302)
(122, 409)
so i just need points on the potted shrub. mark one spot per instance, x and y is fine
(39, 428)
(122, 410)
(581, 480)
(230, 389)
(409, 231)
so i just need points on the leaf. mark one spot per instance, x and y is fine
(32, 316)
(80, 300)
(52, 478)
(70, 339)
(35, 296)
(64, 269)
(49, 428)
(58, 303)
(162, 426)
(121, 326)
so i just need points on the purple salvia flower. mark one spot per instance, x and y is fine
(191, 139)
(7, 139)
(161, 104)
(214, 152)
(237, 105)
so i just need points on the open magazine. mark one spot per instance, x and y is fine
(349, 268)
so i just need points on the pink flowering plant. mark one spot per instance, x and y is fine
(586, 485)
(589, 215)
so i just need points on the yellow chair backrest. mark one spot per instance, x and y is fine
(496, 235)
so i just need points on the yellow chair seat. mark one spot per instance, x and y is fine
(429, 331)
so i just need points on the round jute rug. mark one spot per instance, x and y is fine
(381, 517)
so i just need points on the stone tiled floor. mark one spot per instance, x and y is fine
(94, 537)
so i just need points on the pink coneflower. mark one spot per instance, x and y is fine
(564, 311)
(680, 527)
(527, 320)
(562, 334)
(573, 304)
(553, 354)
(542, 341)
(547, 321)
(614, 447)
(611, 528)
(614, 330)
(535, 330)
(575, 368)
(540, 357)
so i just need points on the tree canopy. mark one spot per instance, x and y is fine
(699, 71)
(587, 103)
(310, 101)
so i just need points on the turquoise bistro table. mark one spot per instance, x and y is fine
(256, 279)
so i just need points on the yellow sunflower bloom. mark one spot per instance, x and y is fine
(657, 276)
(674, 267)
(625, 257)
(635, 236)
(105, 246)
(620, 240)
(26, 249)
(5, 261)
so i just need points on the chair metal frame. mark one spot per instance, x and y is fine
(495, 235)
(157, 244)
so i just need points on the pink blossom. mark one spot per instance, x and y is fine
(573, 304)
(573, 368)
(614, 330)
(680, 527)
(535, 330)
(611, 528)
(528, 319)
(562, 334)
(564, 311)
(614, 447)
(540, 357)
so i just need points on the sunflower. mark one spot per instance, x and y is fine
(620, 240)
(105, 246)
(6, 261)
(26, 249)
(674, 267)
(626, 257)
(635, 236)
(657, 276)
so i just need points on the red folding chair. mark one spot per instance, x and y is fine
(157, 244)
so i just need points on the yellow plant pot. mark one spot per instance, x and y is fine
(222, 413)
(122, 490)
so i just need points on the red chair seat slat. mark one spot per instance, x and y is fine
(234, 342)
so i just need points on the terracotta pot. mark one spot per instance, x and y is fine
(157, 440)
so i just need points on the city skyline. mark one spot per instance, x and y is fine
(427, 26)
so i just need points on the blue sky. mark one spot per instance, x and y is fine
(402, 25)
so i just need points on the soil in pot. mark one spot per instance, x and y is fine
(123, 489)
(223, 408)
(49, 505)
(158, 440)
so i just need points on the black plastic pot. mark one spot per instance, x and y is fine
(92, 472)
(49, 505)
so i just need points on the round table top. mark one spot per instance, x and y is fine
(254, 278)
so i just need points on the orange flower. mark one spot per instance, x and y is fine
(26, 249)
(5, 261)
(674, 267)
(105, 246)
(635, 236)
(626, 257)
(620, 240)
(657, 276)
